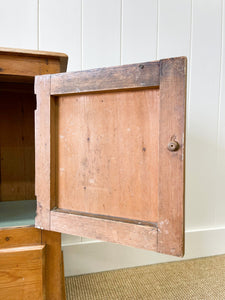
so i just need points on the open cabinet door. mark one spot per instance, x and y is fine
(110, 154)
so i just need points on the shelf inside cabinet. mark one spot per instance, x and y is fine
(17, 213)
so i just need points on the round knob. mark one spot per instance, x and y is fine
(173, 146)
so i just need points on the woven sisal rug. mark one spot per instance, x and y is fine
(192, 279)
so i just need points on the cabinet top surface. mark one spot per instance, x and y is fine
(28, 63)
(26, 52)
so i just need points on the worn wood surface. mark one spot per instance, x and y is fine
(43, 152)
(110, 157)
(111, 78)
(171, 164)
(53, 271)
(19, 237)
(63, 286)
(17, 105)
(114, 170)
(28, 63)
(22, 274)
(116, 232)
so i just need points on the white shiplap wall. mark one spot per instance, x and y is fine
(98, 33)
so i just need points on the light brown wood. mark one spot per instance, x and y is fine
(43, 173)
(111, 78)
(32, 238)
(29, 67)
(171, 164)
(116, 232)
(113, 170)
(19, 237)
(28, 63)
(53, 270)
(22, 273)
(102, 180)
(35, 53)
(63, 287)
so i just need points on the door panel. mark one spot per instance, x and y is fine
(110, 154)
(105, 159)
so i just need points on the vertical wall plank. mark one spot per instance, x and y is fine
(174, 28)
(220, 180)
(101, 33)
(203, 114)
(174, 39)
(139, 31)
(60, 29)
(18, 24)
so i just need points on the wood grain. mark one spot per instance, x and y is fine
(63, 286)
(54, 279)
(29, 63)
(34, 53)
(114, 170)
(116, 232)
(113, 78)
(171, 164)
(110, 142)
(17, 146)
(19, 237)
(32, 238)
(22, 273)
(43, 151)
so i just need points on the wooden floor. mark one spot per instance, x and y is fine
(191, 279)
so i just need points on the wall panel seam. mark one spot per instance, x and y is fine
(38, 24)
(82, 36)
(157, 29)
(121, 32)
(221, 74)
(189, 69)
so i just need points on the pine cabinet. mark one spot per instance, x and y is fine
(97, 153)
(30, 259)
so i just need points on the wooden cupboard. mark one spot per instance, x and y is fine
(97, 153)
(30, 259)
